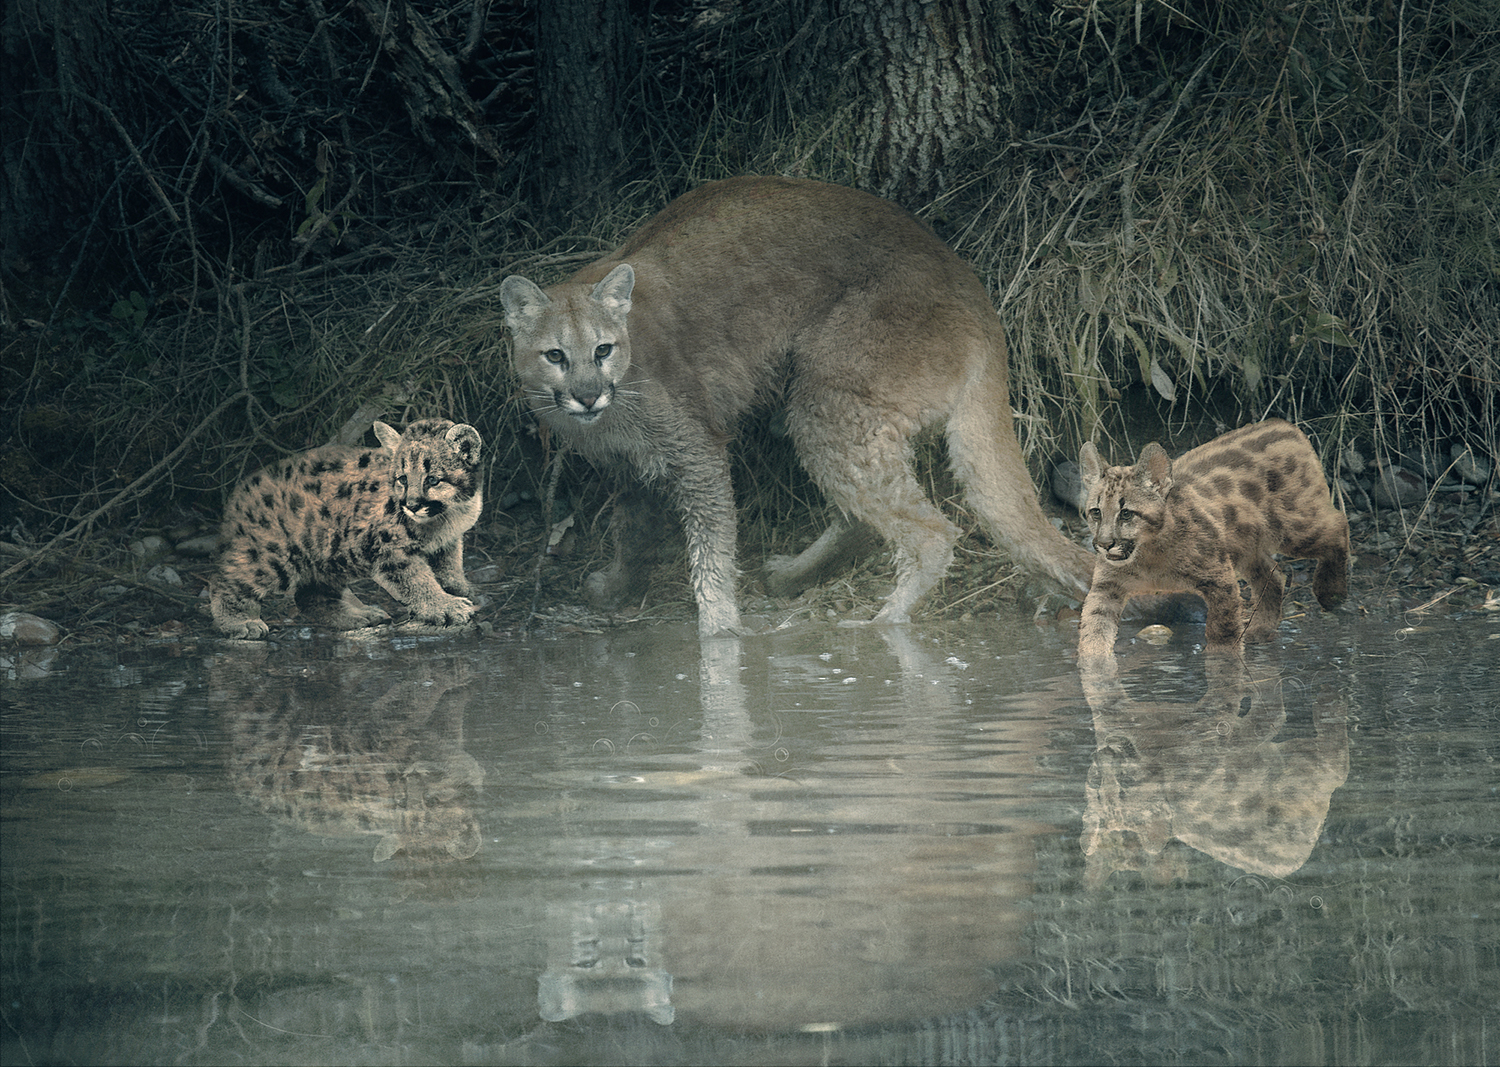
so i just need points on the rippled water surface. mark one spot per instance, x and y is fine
(820, 846)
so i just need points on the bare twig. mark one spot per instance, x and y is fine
(163, 466)
(161, 589)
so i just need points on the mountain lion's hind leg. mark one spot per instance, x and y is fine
(866, 470)
(844, 542)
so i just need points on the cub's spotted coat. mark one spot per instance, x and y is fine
(1224, 507)
(312, 523)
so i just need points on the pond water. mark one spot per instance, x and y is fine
(931, 844)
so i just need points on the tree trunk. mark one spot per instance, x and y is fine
(920, 76)
(584, 70)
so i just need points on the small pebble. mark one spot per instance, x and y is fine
(26, 629)
(1469, 466)
(1397, 487)
(202, 546)
(150, 548)
(164, 574)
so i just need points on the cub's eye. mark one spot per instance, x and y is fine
(555, 355)
(401, 480)
(1094, 515)
(603, 352)
(1126, 514)
(432, 480)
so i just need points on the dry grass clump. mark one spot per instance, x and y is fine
(1290, 210)
(1307, 217)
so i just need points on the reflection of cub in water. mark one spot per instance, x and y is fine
(1213, 775)
(338, 749)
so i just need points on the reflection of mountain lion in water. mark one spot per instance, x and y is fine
(1213, 775)
(393, 768)
(835, 303)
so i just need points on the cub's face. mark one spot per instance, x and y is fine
(435, 468)
(1124, 506)
(570, 348)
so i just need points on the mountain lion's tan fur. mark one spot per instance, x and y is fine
(837, 305)
(1189, 526)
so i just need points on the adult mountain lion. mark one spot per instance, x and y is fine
(836, 304)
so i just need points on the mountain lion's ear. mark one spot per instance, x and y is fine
(388, 436)
(522, 299)
(467, 441)
(614, 291)
(1154, 469)
(1089, 465)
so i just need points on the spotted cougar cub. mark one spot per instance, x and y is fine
(1189, 526)
(312, 523)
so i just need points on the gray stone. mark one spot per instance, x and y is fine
(26, 629)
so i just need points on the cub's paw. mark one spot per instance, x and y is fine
(346, 619)
(459, 587)
(245, 629)
(454, 611)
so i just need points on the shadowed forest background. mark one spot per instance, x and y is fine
(237, 229)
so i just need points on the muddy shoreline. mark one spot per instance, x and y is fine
(1439, 558)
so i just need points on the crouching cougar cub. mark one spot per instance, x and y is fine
(1190, 526)
(835, 304)
(312, 523)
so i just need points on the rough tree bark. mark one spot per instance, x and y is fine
(920, 76)
(585, 67)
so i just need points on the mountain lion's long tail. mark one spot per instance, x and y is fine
(987, 460)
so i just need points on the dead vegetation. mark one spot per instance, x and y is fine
(1290, 211)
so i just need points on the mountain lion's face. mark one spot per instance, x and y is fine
(1125, 506)
(1120, 514)
(571, 351)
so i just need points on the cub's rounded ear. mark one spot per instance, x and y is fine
(614, 291)
(522, 299)
(1089, 464)
(467, 440)
(1153, 468)
(387, 435)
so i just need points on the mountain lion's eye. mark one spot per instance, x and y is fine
(602, 352)
(555, 355)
